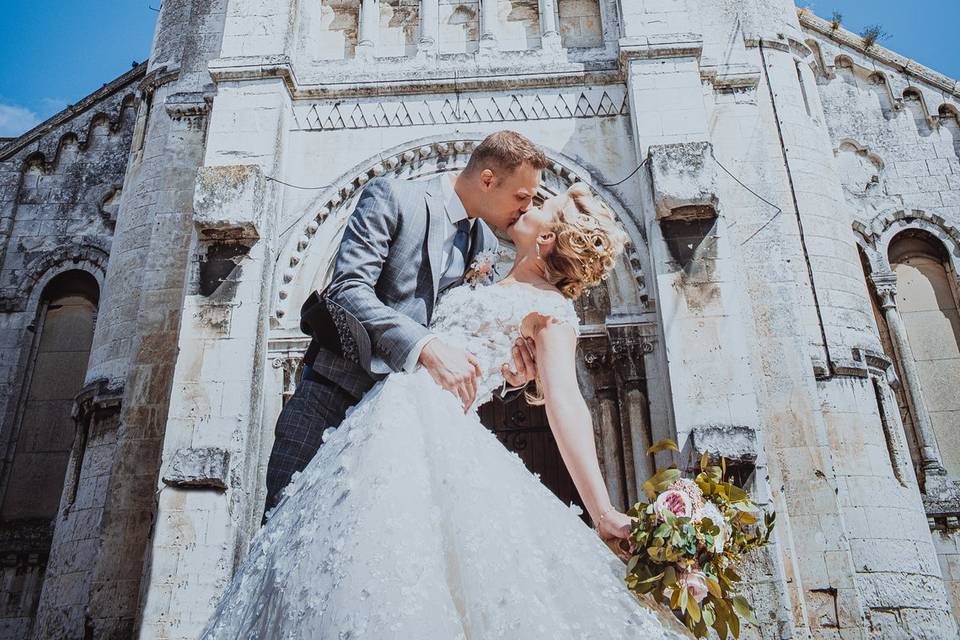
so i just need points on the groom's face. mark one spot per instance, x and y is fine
(508, 196)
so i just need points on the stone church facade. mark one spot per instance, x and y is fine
(790, 299)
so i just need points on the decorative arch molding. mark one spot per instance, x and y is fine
(89, 256)
(912, 93)
(46, 159)
(875, 236)
(849, 144)
(949, 110)
(424, 158)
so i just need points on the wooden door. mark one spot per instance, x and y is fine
(524, 430)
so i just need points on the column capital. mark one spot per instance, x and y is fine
(885, 286)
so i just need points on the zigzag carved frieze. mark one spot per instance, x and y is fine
(590, 102)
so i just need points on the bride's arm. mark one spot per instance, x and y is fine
(570, 420)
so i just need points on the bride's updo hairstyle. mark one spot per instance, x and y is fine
(589, 241)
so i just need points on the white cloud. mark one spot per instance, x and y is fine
(15, 120)
(49, 107)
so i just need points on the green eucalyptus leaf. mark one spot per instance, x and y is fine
(662, 445)
(652, 579)
(744, 609)
(693, 609)
(720, 625)
(734, 623)
(670, 576)
(709, 615)
(714, 588)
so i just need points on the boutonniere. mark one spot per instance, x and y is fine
(483, 269)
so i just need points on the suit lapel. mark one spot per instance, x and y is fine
(436, 221)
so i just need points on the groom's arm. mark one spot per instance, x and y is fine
(363, 250)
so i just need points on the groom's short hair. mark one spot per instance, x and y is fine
(504, 151)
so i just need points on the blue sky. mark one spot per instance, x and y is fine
(55, 53)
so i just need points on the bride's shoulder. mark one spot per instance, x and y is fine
(548, 307)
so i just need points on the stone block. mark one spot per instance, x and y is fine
(684, 180)
(198, 468)
(735, 442)
(228, 202)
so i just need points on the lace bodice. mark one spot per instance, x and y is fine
(486, 321)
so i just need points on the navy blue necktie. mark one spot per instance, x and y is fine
(458, 258)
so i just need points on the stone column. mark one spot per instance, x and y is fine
(550, 37)
(369, 26)
(429, 27)
(607, 421)
(628, 346)
(885, 285)
(488, 24)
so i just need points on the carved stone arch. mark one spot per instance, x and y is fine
(50, 149)
(878, 234)
(913, 92)
(923, 116)
(949, 110)
(843, 61)
(869, 251)
(817, 61)
(91, 258)
(800, 50)
(300, 263)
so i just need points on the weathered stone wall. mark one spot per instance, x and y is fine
(763, 342)
(98, 591)
(782, 156)
(60, 186)
(894, 132)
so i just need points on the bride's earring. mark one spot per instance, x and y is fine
(538, 251)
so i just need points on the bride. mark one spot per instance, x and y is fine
(413, 522)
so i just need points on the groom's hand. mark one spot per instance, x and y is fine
(452, 368)
(524, 364)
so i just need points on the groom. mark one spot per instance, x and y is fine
(405, 243)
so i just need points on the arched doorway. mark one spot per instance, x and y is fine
(42, 435)
(927, 300)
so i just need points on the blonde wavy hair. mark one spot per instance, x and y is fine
(589, 242)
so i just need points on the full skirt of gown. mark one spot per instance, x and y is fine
(414, 522)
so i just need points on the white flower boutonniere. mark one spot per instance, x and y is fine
(483, 269)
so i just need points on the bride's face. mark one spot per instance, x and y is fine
(536, 223)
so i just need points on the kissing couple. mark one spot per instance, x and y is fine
(412, 521)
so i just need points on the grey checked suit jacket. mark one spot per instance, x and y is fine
(385, 279)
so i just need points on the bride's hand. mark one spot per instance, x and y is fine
(614, 529)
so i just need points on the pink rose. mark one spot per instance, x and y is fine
(695, 582)
(676, 502)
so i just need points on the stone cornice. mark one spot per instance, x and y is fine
(411, 80)
(675, 45)
(851, 40)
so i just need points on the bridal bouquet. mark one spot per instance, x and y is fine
(688, 542)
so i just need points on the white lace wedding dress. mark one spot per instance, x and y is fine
(413, 522)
